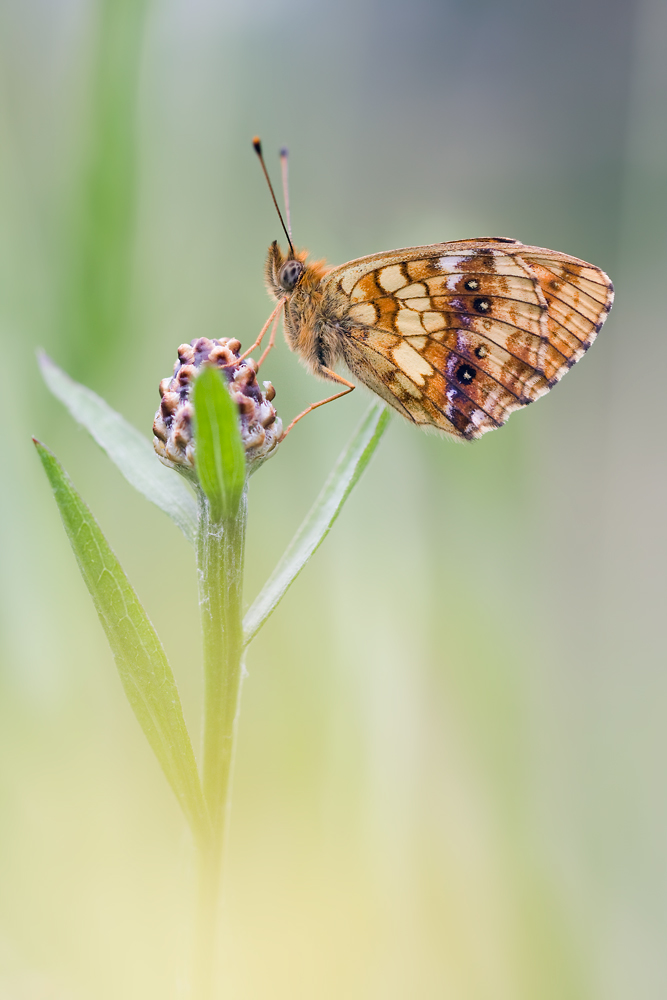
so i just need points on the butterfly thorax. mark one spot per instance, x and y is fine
(311, 327)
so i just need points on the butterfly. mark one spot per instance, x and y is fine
(454, 336)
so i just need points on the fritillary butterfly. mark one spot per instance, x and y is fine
(454, 336)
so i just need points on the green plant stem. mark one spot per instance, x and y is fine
(220, 548)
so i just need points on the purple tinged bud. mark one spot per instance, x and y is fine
(261, 428)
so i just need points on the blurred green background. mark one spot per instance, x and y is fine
(450, 778)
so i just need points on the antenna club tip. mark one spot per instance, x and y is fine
(284, 152)
(257, 145)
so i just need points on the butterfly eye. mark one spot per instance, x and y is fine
(289, 274)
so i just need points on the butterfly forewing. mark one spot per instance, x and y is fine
(458, 335)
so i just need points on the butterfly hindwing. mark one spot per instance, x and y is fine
(459, 335)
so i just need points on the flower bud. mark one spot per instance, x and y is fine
(260, 427)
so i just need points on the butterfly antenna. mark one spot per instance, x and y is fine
(257, 146)
(284, 168)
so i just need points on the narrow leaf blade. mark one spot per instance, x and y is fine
(220, 457)
(127, 448)
(346, 473)
(141, 661)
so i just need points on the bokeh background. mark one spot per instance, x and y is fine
(451, 772)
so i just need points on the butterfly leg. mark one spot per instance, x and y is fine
(271, 343)
(260, 338)
(313, 406)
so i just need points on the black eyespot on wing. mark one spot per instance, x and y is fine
(289, 274)
(465, 374)
(481, 351)
(471, 285)
(482, 305)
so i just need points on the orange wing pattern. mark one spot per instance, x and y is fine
(459, 335)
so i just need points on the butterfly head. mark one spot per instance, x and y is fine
(287, 273)
(283, 272)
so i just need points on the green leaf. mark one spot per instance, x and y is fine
(126, 447)
(346, 473)
(142, 664)
(220, 457)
